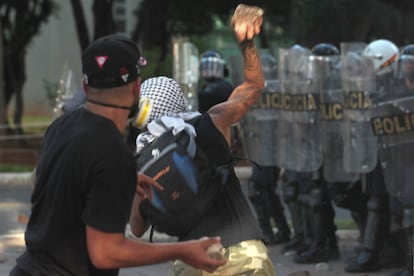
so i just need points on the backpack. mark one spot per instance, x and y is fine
(191, 182)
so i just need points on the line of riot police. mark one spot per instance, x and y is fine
(341, 126)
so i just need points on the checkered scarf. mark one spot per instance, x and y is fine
(166, 94)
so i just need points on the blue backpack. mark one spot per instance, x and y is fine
(192, 183)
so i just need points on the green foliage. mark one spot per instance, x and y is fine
(51, 89)
(156, 66)
(13, 168)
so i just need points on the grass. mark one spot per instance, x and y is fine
(345, 224)
(341, 224)
(36, 119)
(13, 168)
(31, 125)
(36, 124)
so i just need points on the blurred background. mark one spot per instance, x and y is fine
(42, 41)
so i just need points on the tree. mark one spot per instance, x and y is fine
(20, 22)
(104, 23)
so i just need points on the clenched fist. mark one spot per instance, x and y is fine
(246, 22)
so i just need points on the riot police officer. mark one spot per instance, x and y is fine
(215, 88)
(376, 236)
(263, 182)
(314, 201)
(267, 204)
(406, 69)
(397, 164)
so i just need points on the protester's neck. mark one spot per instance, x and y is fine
(118, 116)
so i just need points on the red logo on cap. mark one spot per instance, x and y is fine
(123, 70)
(101, 61)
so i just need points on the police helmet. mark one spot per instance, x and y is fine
(296, 57)
(325, 49)
(213, 65)
(383, 54)
(407, 61)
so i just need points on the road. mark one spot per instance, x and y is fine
(15, 208)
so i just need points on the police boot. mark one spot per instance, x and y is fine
(305, 216)
(408, 257)
(263, 217)
(391, 256)
(283, 230)
(360, 220)
(349, 195)
(407, 243)
(290, 197)
(367, 260)
(324, 244)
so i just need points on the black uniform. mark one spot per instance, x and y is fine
(266, 201)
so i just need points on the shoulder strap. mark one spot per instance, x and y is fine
(191, 147)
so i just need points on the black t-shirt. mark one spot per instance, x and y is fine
(231, 217)
(86, 175)
(212, 93)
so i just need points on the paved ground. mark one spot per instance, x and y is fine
(14, 209)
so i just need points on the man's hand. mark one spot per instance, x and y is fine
(246, 22)
(196, 255)
(144, 184)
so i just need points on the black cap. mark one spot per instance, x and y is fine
(111, 61)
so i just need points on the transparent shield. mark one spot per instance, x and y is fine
(393, 123)
(359, 85)
(327, 81)
(186, 71)
(261, 125)
(299, 137)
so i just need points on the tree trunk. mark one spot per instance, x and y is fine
(81, 27)
(103, 18)
(151, 28)
(19, 80)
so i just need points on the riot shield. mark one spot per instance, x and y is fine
(68, 96)
(185, 70)
(260, 126)
(327, 78)
(299, 136)
(359, 85)
(393, 123)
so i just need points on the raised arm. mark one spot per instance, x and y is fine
(246, 22)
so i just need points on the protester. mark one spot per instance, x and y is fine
(231, 217)
(378, 249)
(86, 180)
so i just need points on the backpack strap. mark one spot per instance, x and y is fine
(151, 235)
(192, 146)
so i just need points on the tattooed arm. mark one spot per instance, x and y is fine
(246, 22)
